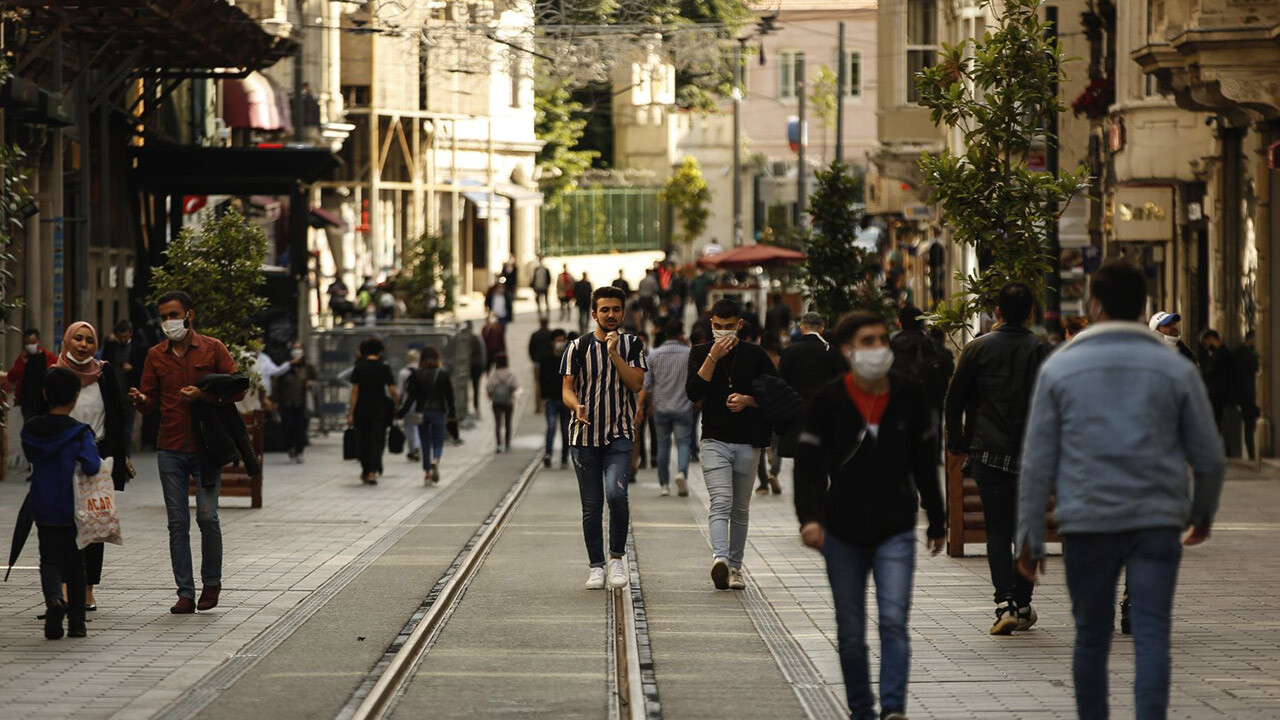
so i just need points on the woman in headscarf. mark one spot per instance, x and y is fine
(101, 406)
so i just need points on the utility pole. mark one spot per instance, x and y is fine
(842, 77)
(1053, 283)
(298, 106)
(737, 145)
(802, 194)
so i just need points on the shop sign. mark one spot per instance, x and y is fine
(1143, 213)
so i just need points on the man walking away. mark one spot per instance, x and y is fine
(602, 373)
(564, 291)
(621, 283)
(478, 361)
(551, 385)
(648, 292)
(539, 349)
(541, 285)
(1115, 421)
(777, 319)
(807, 364)
(986, 411)
(733, 432)
(672, 412)
(1245, 364)
(1169, 326)
(867, 448)
(1215, 368)
(168, 384)
(922, 360)
(582, 296)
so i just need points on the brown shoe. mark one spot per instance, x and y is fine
(209, 597)
(184, 606)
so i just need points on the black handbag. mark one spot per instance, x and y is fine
(350, 444)
(395, 440)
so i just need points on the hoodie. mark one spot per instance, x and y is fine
(53, 444)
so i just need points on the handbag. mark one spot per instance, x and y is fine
(350, 444)
(97, 517)
(395, 440)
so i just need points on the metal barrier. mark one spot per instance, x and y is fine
(338, 348)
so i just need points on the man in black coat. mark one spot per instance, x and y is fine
(1215, 368)
(807, 364)
(1245, 364)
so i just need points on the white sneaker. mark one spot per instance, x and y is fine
(682, 488)
(618, 573)
(735, 580)
(664, 491)
(595, 581)
(720, 573)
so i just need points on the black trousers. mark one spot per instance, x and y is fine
(1250, 417)
(293, 421)
(477, 372)
(502, 416)
(62, 562)
(999, 492)
(372, 438)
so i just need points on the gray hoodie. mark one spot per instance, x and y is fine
(1115, 419)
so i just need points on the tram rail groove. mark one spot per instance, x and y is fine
(381, 698)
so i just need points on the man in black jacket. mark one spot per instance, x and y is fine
(986, 412)
(867, 460)
(1215, 368)
(807, 364)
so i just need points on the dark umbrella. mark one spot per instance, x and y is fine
(21, 531)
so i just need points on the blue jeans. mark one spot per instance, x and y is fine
(681, 423)
(728, 470)
(892, 564)
(557, 416)
(431, 433)
(175, 470)
(1093, 560)
(602, 476)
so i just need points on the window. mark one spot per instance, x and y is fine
(852, 74)
(787, 74)
(922, 42)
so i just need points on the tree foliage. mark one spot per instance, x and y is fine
(220, 267)
(686, 191)
(824, 95)
(839, 276)
(15, 196)
(559, 123)
(997, 92)
(427, 281)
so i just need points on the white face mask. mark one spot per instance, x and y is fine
(175, 330)
(296, 353)
(871, 364)
(1169, 340)
(77, 361)
(718, 334)
(31, 348)
(560, 347)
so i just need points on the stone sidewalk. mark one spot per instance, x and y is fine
(1226, 643)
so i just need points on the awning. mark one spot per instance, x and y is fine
(751, 256)
(487, 204)
(320, 218)
(188, 170)
(250, 102)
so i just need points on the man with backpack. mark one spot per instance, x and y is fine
(919, 358)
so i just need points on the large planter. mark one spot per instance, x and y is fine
(235, 481)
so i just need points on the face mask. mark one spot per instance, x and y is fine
(296, 353)
(31, 348)
(560, 347)
(1169, 340)
(718, 334)
(175, 330)
(872, 364)
(73, 359)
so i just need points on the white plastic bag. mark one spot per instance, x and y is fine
(97, 518)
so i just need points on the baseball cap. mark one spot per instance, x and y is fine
(1161, 319)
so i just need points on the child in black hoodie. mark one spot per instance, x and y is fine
(53, 444)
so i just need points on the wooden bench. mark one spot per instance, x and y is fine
(965, 522)
(235, 481)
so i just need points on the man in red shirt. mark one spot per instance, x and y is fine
(28, 372)
(169, 383)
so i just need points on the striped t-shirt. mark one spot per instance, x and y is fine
(611, 406)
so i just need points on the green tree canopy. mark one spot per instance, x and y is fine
(559, 122)
(686, 191)
(838, 275)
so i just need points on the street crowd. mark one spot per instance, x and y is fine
(1116, 428)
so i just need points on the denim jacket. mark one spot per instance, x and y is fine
(1115, 419)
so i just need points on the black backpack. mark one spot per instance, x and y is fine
(928, 365)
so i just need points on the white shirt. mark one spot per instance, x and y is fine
(268, 369)
(91, 411)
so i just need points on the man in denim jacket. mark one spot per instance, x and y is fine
(1116, 418)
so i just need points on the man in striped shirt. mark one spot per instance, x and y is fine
(673, 413)
(602, 372)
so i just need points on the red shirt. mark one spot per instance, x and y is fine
(870, 405)
(166, 373)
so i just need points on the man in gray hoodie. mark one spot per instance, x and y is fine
(1116, 418)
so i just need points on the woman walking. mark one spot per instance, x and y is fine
(373, 398)
(431, 392)
(290, 392)
(412, 447)
(101, 406)
(502, 387)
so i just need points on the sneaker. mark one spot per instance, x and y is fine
(664, 491)
(682, 486)
(435, 473)
(1126, 623)
(595, 581)
(774, 485)
(894, 715)
(618, 573)
(1026, 618)
(426, 478)
(1006, 619)
(546, 462)
(735, 580)
(720, 573)
(55, 611)
(762, 490)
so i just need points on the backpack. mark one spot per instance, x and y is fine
(502, 392)
(929, 366)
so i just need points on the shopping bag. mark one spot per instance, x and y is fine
(350, 444)
(97, 517)
(395, 440)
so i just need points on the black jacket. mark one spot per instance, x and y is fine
(865, 492)
(745, 363)
(539, 344)
(1215, 368)
(428, 395)
(550, 381)
(134, 353)
(807, 364)
(117, 439)
(221, 436)
(990, 393)
(1186, 353)
(919, 358)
